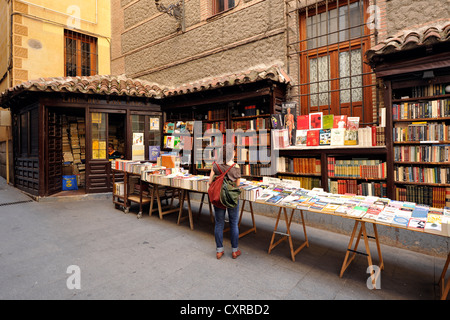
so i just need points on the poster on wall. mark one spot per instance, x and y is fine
(154, 124)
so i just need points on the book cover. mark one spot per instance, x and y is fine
(312, 138)
(138, 138)
(277, 122)
(351, 137)
(340, 122)
(153, 152)
(303, 122)
(328, 121)
(337, 137)
(353, 123)
(300, 137)
(315, 120)
(325, 137)
(169, 127)
(433, 224)
(417, 223)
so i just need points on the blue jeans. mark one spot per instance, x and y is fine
(233, 216)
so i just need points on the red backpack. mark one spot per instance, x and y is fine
(216, 187)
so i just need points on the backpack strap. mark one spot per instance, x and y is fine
(225, 171)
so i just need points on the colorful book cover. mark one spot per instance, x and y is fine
(315, 120)
(153, 152)
(301, 137)
(325, 137)
(340, 122)
(303, 122)
(276, 120)
(312, 138)
(351, 137)
(327, 122)
(352, 123)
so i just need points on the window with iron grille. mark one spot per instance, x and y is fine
(80, 52)
(333, 76)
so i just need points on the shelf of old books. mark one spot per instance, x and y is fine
(421, 142)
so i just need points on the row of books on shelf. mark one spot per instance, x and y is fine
(253, 124)
(377, 189)
(299, 165)
(217, 113)
(218, 125)
(422, 153)
(249, 139)
(363, 137)
(438, 197)
(422, 174)
(305, 182)
(318, 120)
(422, 131)
(258, 169)
(428, 90)
(428, 109)
(357, 168)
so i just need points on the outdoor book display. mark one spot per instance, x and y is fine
(286, 194)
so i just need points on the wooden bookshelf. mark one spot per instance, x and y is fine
(236, 107)
(420, 120)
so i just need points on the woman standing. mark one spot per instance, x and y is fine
(234, 175)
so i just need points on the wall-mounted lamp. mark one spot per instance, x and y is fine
(174, 10)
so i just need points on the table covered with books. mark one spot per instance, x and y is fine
(286, 195)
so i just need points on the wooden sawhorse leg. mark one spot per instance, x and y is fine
(363, 232)
(155, 195)
(211, 216)
(288, 235)
(185, 196)
(253, 228)
(445, 288)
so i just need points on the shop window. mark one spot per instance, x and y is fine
(80, 52)
(334, 77)
(222, 5)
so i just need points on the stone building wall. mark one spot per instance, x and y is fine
(249, 35)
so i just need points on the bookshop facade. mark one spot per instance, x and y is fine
(67, 127)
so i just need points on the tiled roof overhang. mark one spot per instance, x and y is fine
(124, 86)
(98, 84)
(409, 40)
(273, 73)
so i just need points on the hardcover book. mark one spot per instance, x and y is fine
(325, 137)
(351, 137)
(303, 122)
(353, 123)
(327, 122)
(277, 122)
(300, 137)
(315, 120)
(340, 122)
(337, 137)
(312, 138)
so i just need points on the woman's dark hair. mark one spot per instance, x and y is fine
(227, 152)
